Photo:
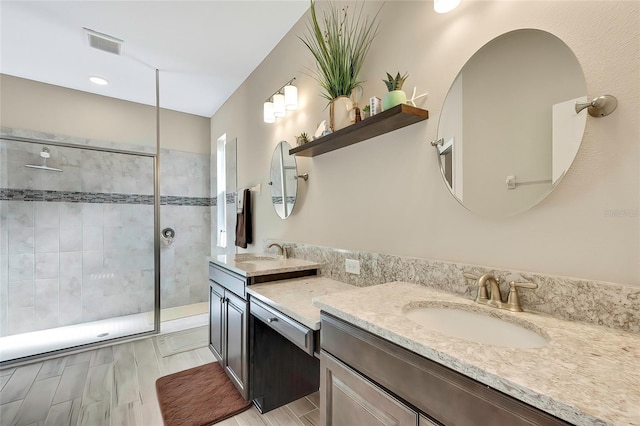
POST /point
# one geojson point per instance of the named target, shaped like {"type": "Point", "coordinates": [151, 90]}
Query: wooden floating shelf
{"type": "Point", "coordinates": [387, 121]}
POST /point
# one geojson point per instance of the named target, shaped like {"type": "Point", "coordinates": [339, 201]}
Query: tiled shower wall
{"type": "Point", "coordinates": [77, 246]}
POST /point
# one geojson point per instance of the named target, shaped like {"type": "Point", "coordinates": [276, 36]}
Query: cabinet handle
{"type": "Point", "coordinates": [222, 300]}
{"type": "Point", "coordinates": [270, 320]}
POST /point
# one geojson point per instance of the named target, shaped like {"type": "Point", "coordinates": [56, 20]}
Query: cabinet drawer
{"type": "Point", "coordinates": [295, 332]}
{"type": "Point", "coordinates": [228, 281]}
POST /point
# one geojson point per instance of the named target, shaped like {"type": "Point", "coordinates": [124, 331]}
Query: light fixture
{"type": "Point", "coordinates": [269, 116]}
{"type": "Point", "coordinates": [98, 80]}
{"type": "Point", "coordinates": [290, 97]}
{"type": "Point", "coordinates": [278, 105]}
{"type": "Point", "coordinates": [444, 6]}
{"type": "Point", "coordinates": [283, 100]}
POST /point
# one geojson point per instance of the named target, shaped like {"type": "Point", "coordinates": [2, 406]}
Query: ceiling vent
{"type": "Point", "coordinates": [104, 42]}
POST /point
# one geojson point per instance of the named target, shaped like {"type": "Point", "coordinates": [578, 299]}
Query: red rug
{"type": "Point", "coordinates": [199, 396]}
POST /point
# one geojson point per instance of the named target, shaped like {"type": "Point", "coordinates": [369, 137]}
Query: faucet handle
{"type": "Point", "coordinates": [513, 300]}
{"type": "Point", "coordinates": [470, 276]}
{"type": "Point", "coordinates": [524, 284]}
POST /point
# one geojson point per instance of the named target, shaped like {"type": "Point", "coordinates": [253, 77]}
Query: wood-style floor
{"type": "Point", "coordinates": [115, 386]}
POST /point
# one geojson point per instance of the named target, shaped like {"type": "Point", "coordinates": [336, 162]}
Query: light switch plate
{"type": "Point", "coordinates": [352, 266]}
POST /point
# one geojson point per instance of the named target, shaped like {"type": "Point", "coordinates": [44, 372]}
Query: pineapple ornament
{"type": "Point", "coordinates": [396, 95]}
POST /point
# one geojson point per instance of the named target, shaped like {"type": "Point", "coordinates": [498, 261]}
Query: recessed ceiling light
{"type": "Point", "coordinates": [98, 80]}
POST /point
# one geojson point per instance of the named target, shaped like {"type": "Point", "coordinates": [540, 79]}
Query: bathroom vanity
{"type": "Point", "coordinates": [284, 339]}
{"type": "Point", "coordinates": [229, 277]}
{"type": "Point", "coordinates": [374, 355]}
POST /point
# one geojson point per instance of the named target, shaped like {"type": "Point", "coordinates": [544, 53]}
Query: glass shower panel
{"type": "Point", "coordinates": [76, 245]}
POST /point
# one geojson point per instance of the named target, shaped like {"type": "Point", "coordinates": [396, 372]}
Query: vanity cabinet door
{"type": "Point", "coordinates": [216, 320]}
{"type": "Point", "coordinates": [347, 398]}
{"type": "Point", "coordinates": [236, 355]}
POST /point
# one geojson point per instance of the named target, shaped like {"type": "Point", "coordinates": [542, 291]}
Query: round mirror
{"type": "Point", "coordinates": [284, 180]}
{"type": "Point", "coordinates": [508, 130]}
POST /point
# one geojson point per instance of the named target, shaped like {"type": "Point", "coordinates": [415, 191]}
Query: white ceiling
{"type": "Point", "coordinates": [203, 49]}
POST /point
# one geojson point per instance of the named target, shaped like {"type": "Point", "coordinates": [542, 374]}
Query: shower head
{"type": "Point", "coordinates": [51, 169]}
{"type": "Point", "coordinates": [44, 154]}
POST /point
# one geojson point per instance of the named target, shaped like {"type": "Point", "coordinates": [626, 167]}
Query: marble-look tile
{"type": "Point", "coordinates": [92, 214]}
{"type": "Point", "coordinates": [92, 238]}
{"type": "Point", "coordinates": [20, 214]}
{"type": "Point", "coordinates": [70, 215]}
{"type": "Point", "coordinates": [4, 295]}
{"type": "Point", "coordinates": [92, 262]}
{"type": "Point", "coordinates": [21, 294]}
{"type": "Point", "coordinates": [47, 240]}
{"type": "Point", "coordinates": [70, 239]}
{"type": "Point", "coordinates": [21, 320]}
{"type": "Point", "coordinates": [71, 263]}
{"type": "Point", "coordinates": [21, 267]}
{"type": "Point", "coordinates": [47, 265]}
{"type": "Point", "coordinates": [20, 240]}
{"type": "Point", "coordinates": [47, 215]}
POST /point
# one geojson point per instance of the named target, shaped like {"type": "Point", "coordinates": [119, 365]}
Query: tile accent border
{"type": "Point", "coordinates": [595, 302]}
{"type": "Point", "coordinates": [100, 197]}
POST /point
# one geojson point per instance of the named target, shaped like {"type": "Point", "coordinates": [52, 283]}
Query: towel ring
{"type": "Point", "coordinates": [599, 107]}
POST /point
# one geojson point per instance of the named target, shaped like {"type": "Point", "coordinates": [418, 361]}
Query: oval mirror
{"type": "Point", "coordinates": [508, 130]}
{"type": "Point", "coordinates": [284, 182]}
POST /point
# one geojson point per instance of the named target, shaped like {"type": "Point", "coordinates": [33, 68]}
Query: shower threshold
{"type": "Point", "coordinates": [43, 341]}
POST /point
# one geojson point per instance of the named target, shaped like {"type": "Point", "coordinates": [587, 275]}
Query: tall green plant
{"type": "Point", "coordinates": [339, 47]}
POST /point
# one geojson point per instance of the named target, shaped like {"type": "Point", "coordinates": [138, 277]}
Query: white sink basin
{"type": "Point", "coordinates": [475, 327]}
{"type": "Point", "coordinates": [250, 257]}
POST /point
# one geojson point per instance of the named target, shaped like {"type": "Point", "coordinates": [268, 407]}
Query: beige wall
{"type": "Point", "coordinates": [387, 195]}
{"type": "Point", "coordinates": [30, 105]}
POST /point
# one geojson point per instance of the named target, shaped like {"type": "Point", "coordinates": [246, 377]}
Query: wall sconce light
{"type": "Point", "coordinates": [278, 105]}
{"type": "Point", "coordinates": [444, 6]}
{"type": "Point", "coordinates": [269, 116]}
{"type": "Point", "coordinates": [290, 97]}
{"type": "Point", "coordinates": [283, 100]}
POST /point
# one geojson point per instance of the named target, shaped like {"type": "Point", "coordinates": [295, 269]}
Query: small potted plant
{"type": "Point", "coordinates": [366, 111]}
{"type": "Point", "coordinates": [396, 95]}
{"type": "Point", "coordinates": [302, 138]}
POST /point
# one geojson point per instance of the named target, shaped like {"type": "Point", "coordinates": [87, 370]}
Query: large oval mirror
{"type": "Point", "coordinates": [508, 130]}
{"type": "Point", "coordinates": [284, 180]}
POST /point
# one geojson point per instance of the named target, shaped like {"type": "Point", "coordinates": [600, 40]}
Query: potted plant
{"type": "Point", "coordinates": [396, 95]}
{"type": "Point", "coordinates": [366, 111]}
{"type": "Point", "coordinates": [302, 138]}
{"type": "Point", "coordinates": [339, 42]}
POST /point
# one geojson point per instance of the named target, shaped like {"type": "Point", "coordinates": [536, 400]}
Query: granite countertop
{"type": "Point", "coordinates": [256, 264]}
{"type": "Point", "coordinates": [293, 297]}
{"type": "Point", "coordinates": [586, 375]}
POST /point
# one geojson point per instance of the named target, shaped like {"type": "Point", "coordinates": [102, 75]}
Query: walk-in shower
{"type": "Point", "coordinates": [78, 249]}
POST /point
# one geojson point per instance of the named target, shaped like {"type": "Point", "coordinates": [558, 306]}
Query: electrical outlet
{"type": "Point", "coordinates": [352, 266]}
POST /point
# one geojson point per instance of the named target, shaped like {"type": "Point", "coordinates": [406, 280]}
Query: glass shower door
{"type": "Point", "coordinates": [77, 263]}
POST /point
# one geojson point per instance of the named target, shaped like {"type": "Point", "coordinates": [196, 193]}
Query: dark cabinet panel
{"type": "Point", "coordinates": [216, 305]}
{"type": "Point", "coordinates": [236, 361]}
{"type": "Point", "coordinates": [347, 398]}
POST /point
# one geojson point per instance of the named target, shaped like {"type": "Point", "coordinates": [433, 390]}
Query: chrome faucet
{"type": "Point", "coordinates": [491, 296]}
{"type": "Point", "coordinates": [282, 250]}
